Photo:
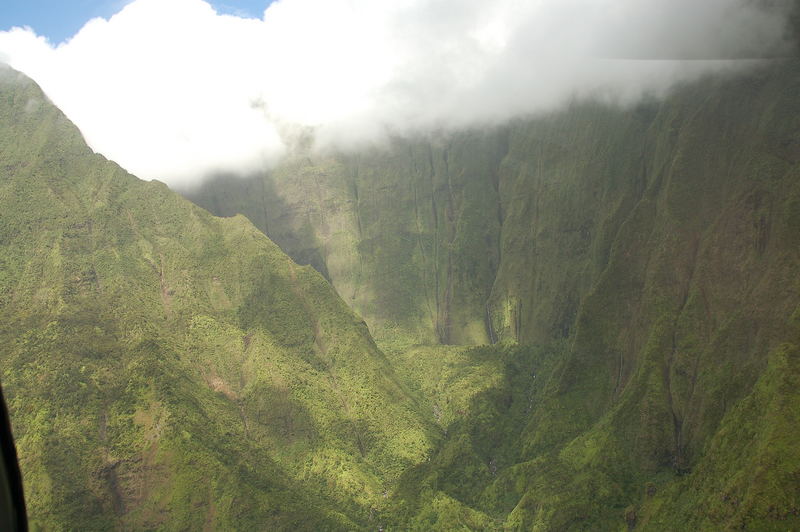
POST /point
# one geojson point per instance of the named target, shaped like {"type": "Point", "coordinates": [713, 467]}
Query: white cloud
{"type": "Point", "coordinates": [172, 90]}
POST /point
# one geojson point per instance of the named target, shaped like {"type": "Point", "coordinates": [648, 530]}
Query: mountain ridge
{"type": "Point", "coordinates": [588, 320]}
{"type": "Point", "coordinates": [151, 348]}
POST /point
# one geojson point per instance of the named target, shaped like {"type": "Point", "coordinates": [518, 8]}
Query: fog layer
{"type": "Point", "coordinates": [174, 91]}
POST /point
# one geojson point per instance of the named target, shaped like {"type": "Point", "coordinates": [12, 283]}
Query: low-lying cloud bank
{"type": "Point", "coordinates": [172, 90]}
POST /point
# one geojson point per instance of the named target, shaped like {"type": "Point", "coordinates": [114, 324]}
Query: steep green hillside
{"type": "Point", "coordinates": [653, 255]}
{"type": "Point", "coordinates": [168, 369]}
{"type": "Point", "coordinates": [590, 320]}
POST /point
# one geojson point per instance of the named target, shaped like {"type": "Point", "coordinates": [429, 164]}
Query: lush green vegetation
{"type": "Point", "coordinates": [587, 321]}
{"type": "Point", "coordinates": [655, 247]}
{"type": "Point", "coordinates": [168, 369]}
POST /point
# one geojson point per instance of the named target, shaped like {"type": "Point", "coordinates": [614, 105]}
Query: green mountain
{"type": "Point", "coordinates": [588, 320]}
{"type": "Point", "coordinates": [638, 271]}
{"type": "Point", "coordinates": [168, 369]}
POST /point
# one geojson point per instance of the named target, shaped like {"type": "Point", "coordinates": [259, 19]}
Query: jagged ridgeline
{"type": "Point", "coordinates": [653, 255]}
{"type": "Point", "coordinates": [168, 369]}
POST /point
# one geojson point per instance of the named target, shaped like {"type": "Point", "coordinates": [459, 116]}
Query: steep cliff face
{"type": "Point", "coordinates": [408, 235]}
{"type": "Point", "coordinates": [657, 247]}
{"type": "Point", "coordinates": [430, 238]}
{"type": "Point", "coordinates": [168, 369]}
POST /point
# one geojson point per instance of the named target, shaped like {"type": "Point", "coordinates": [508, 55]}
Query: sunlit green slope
{"type": "Point", "coordinates": [168, 369]}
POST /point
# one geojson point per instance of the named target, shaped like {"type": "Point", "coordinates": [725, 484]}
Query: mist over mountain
{"type": "Point", "coordinates": [177, 92]}
{"type": "Point", "coordinates": [168, 369]}
{"type": "Point", "coordinates": [588, 320]}
{"type": "Point", "coordinates": [629, 277]}
{"type": "Point", "coordinates": [435, 265]}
